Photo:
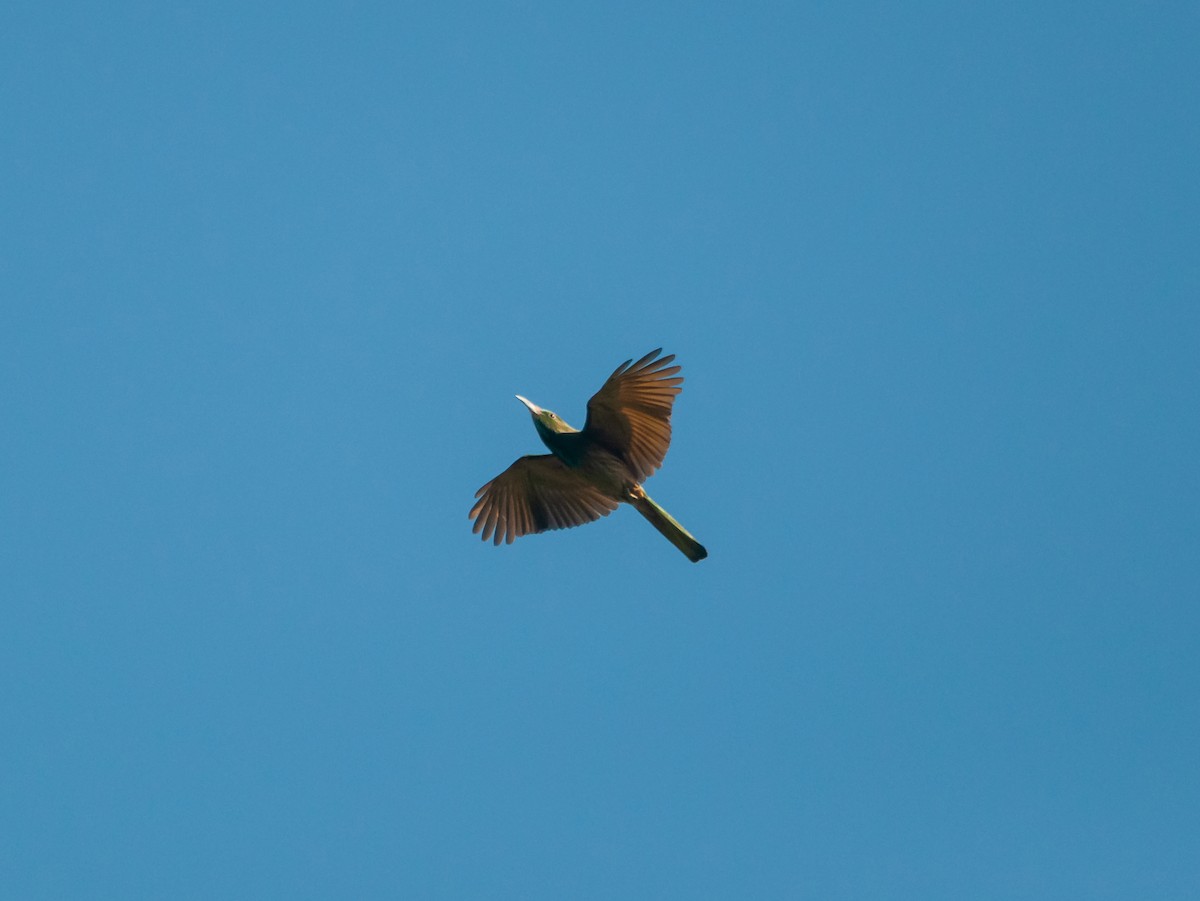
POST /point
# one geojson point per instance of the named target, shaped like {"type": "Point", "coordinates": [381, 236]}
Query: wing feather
{"type": "Point", "coordinates": [631, 413]}
{"type": "Point", "coordinates": [538, 492]}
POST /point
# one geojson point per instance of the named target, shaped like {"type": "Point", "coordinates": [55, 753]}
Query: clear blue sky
{"type": "Point", "coordinates": [269, 280]}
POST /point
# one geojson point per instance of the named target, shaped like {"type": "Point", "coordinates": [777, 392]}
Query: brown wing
{"type": "Point", "coordinates": [631, 414]}
{"type": "Point", "coordinates": [536, 493]}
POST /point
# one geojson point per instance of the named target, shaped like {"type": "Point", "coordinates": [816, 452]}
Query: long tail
{"type": "Point", "coordinates": [665, 523]}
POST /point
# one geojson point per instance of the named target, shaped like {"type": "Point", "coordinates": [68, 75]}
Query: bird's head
{"type": "Point", "coordinates": [545, 421]}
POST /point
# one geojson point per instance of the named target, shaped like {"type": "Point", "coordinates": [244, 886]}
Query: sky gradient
{"type": "Point", "coordinates": [270, 279]}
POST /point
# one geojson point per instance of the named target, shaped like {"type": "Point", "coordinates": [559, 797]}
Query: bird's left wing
{"type": "Point", "coordinates": [536, 493]}
{"type": "Point", "coordinates": [630, 415]}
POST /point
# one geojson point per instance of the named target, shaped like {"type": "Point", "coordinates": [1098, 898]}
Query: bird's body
{"type": "Point", "coordinates": [589, 472]}
{"type": "Point", "coordinates": [599, 466]}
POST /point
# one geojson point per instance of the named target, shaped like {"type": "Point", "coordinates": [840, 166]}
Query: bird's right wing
{"type": "Point", "coordinates": [536, 493]}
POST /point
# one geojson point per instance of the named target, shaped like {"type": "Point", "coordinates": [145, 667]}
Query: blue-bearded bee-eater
{"type": "Point", "coordinates": [589, 472]}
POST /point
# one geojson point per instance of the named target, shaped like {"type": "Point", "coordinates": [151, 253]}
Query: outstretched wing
{"type": "Point", "coordinates": [631, 414]}
{"type": "Point", "coordinates": [536, 493]}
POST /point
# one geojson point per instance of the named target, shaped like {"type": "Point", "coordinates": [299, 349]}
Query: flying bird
{"type": "Point", "coordinates": [588, 473]}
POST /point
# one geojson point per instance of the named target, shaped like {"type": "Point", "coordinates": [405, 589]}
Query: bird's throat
{"type": "Point", "coordinates": [570, 447]}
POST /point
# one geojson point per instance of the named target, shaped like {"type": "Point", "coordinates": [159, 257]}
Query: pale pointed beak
{"type": "Point", "coordinates": [533, 408]}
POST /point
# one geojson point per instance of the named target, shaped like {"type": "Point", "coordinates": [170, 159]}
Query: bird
{"type": "Point", "coordinates": [589, 472]}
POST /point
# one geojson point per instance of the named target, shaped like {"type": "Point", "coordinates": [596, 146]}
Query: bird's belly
{"type": "Point", "coordinates": [607, 473]}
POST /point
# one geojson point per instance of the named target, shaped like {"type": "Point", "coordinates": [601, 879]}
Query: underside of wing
{"type": "Point", "coordinates": [631, 414]}
{"type": "Point", "coordinates": [536, 493]}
